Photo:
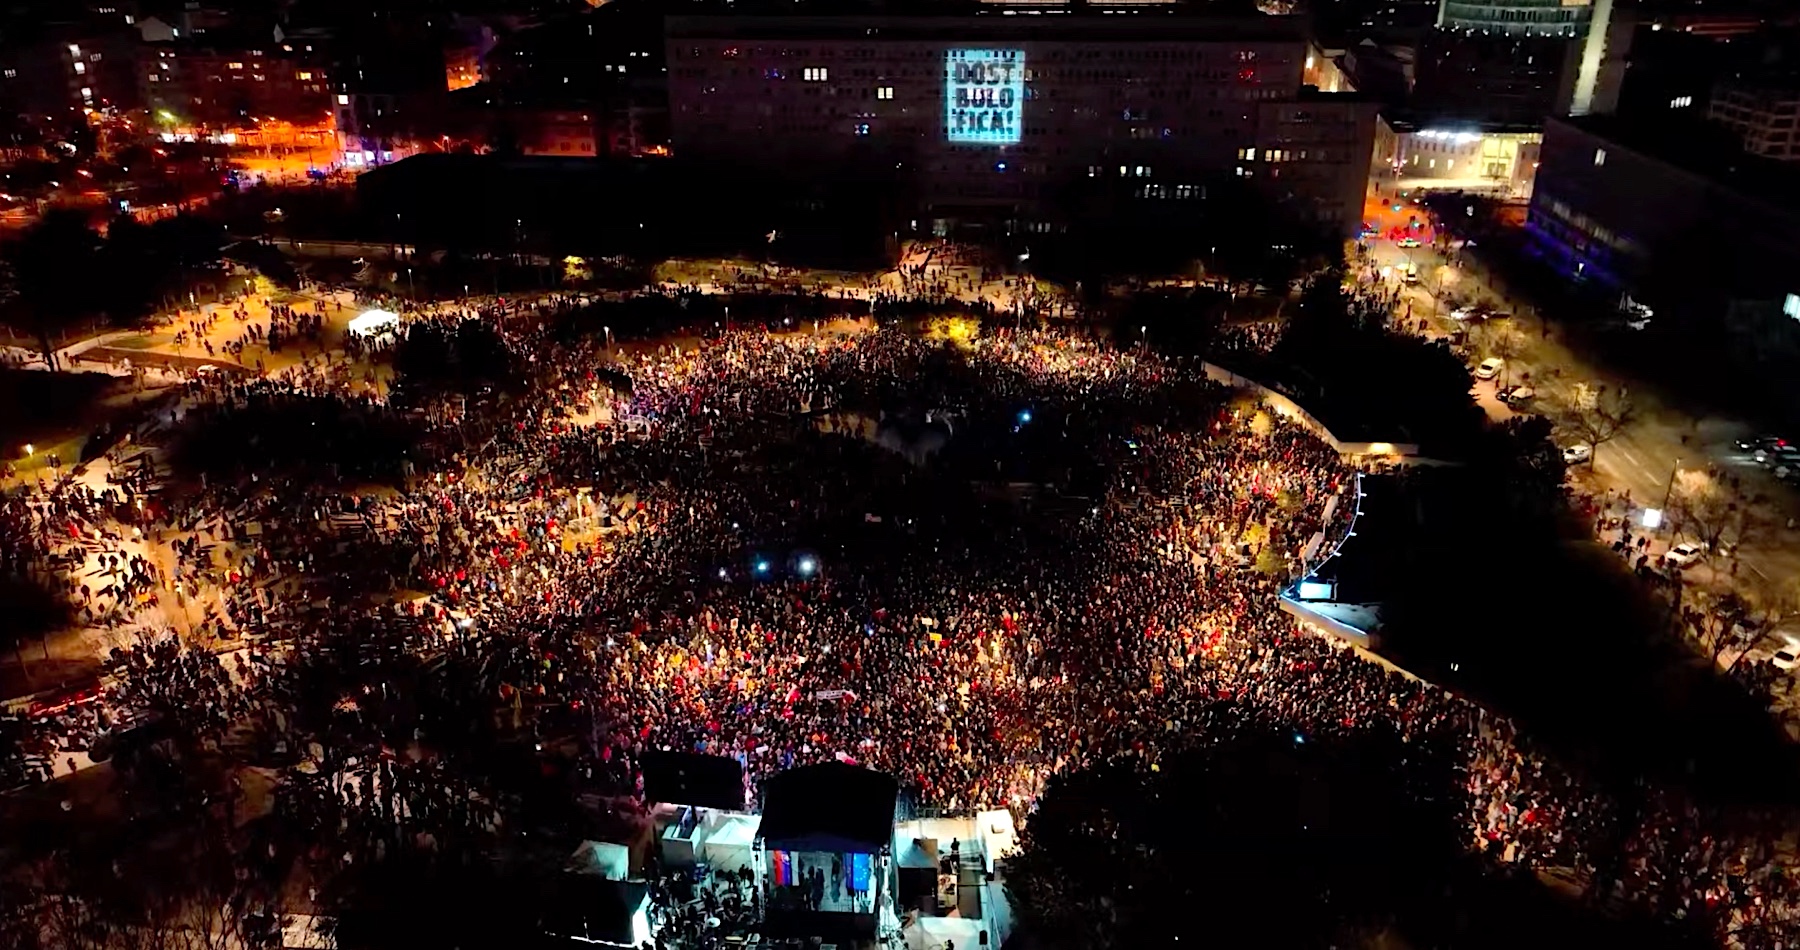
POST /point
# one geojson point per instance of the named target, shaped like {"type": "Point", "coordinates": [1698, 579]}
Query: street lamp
{"type": "Point", "coordinates": [1669, 492]}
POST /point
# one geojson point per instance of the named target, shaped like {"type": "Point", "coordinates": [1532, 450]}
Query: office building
{"type": "Point", "coordinates": [993, 117]}
{"type": "Point", "coordinates": [1762, 113]}
{"type": "Point", "coordinates": [1676, 215]}
{"type": "Point", "coordinates": [1514, 62]}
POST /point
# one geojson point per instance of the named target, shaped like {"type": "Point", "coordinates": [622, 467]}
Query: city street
{"type": "Point", "coordinates": [1640, 461]}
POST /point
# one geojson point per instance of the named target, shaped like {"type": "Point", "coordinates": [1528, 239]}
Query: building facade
{"type": "Point", "coordinates": [1517, 17]}
{"type": "Point", "coordinates": [996, 115]}
{"type": "Point", "coordinates": [1517, 61]}
{"type": "Point", "coordinates": [1762, 114]}
{"type": "Point", "coordinates": [1675, 215]}
{"type": "Point", "coordinates": [210, 86]}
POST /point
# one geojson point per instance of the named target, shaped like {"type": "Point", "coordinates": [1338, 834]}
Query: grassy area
{"type": "Point", "coordinates": [141, 341]}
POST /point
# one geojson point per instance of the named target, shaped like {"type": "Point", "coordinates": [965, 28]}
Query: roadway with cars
{"type": "Point", "coordinates": [1643, 457]}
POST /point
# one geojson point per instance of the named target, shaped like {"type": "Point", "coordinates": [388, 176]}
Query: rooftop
{"type": "Point", "coordinates": [829, 807]}
{"type": "Point", "coordinates": [971, 22]}
{"type": "Point", "coordinates": [1700, 148]}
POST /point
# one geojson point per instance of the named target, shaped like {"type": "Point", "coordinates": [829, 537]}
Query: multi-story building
{"type": "Point", "coordinates": [992, 117]}
{"type": "Point", "coordinates": [214, 84]}
{"type": "Point", "coordinates": [57, 72]}
{"type": "Point", "coordinates": [1514, 62]}
{"type": "Point", "coordinates": [1762, 113]}
{"type": "Point", "coordinates": [1517, 17]}
{"type": "Point", "coordinates": [1673, 213]}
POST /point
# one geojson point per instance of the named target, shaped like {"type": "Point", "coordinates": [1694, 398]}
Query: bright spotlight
{"type": "Point", "coordinates": [1024, 415]}
{"type": "Point", "coordinates": [808, 566]}
{"type": "Point", "coordinates": [762, 567]}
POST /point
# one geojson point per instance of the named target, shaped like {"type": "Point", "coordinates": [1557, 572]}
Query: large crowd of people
{"type": "Point", "coordinates": [728, 549]}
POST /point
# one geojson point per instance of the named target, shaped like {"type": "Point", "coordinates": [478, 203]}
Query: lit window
{"type": "Point", "coordinates": [815, 74]}
{"type": "Point", "coordinates": [74, 50]}
{"type": "Point", "coordinates": [303, 75]}
{"type": "Point", "coordinates": [862, 128]}
{"type": "Point", "coordinates": [343, 100]}
{"type": "Point", "coordinates": [87, 92]}
{"type": "Point", "coordinates": [234, 65]}
{"type": "Point", "coordinates": [885, 92]}
{"type": "Point", "coordinates": [1791, 306]}
{"type": "Point", "coordinates": [80, 68]}
{"type": "Point", "coordinates": [1599, 157]}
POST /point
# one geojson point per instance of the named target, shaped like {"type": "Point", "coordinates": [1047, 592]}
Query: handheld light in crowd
{"type": "Point", "coordinates": [1024, 415]}
{"type": "Point", "coordinates": [762, 567]}
{"type": "Point", "coordinates": [808, 566]}
{"type": "Point", "coordinates": [722, 574]}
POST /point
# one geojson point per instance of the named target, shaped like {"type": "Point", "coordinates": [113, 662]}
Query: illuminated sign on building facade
{"type": "Point", "coordinates": [984, 92]}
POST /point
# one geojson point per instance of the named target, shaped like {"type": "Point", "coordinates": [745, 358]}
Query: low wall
{"type": "Point", "coordinates": [1292, 410]}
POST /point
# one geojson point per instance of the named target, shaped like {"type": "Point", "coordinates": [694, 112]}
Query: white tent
{"type": "Point", "coordinates": [999, 836]}
{"type": "Point", "coordinates": [931, 933]}
{"type": "Point", "coordinates": [601, 858]}
{"type": "Point", "coordinates": [727, 839]}
{"type": "Point", "coordinates": [374, 323]}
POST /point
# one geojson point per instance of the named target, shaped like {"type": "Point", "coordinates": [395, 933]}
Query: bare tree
{"type": "Point", "coordinates": [1597, 414]}
{"type": "Point", "coordinates": [1718, 621]}
{"type": "Point", "coordinates": [1706, 508]}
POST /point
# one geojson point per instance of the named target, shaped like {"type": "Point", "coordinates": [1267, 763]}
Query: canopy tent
{"type": "Point", "coordinates": [830, 807]}
{"type": "Point", "coordinates": [930, 931]}
{"type": "Point", "coordinates": [374, 323]}
{"type": "Point", "coordinates": [603, 859]}
{"type": "Point", "coordinates": [727, 841]}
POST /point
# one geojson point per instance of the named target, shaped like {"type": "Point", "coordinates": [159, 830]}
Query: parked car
{"type": "Point", "coordinates": [1683, 554]}
{"type": "Point", "coordinates": [1489, 368]}
{"type": "Point", "coordinates": [1465, 313]}
{"type": "Point", "coordinates": [1760, 443]}
{"type": "Point", "coordinates": [1409, 242]}
{"type": "Point", "coordinates": [1516, 395]}
{"type": "Point", "coordinates": [1787, 657]}
{"type": "Point", "coordinates": [1578, 453]}
{"type": "Point", "coordinates": [1787, 455]}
